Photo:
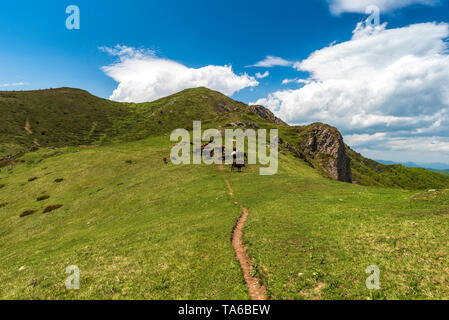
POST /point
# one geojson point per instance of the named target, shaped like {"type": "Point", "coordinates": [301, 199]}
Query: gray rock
{"type": "Point", "coordinates": [325, 144]}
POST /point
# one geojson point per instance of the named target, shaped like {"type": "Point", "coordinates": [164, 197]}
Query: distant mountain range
{"type": "Point", "coordinates": [430, 166]}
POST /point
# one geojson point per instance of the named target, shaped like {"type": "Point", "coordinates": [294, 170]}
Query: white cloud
{"type": "Point", "coordinates": [427, 144]}
{"type": "Point", "coordinates": [271, 61]}
{"type": "Point", "coordinates": [262, 76]}
{"type": "Point", "coordinates": [404, 148]}
{"type": "Point", "coordinates": [296, 80]}
{"type": "Point", "coordinates": [401, 148]}
{"type": "Point", "coordinates": [287, 81]}
{"type": "Point", "coordinates": [142, 76]}
{"type": "Point", "coordinates": [362, 139]}
{"type": "Point", "coordinates": [394, 81]}
{"type": "Point", "coordinates": [17, 84]}
{"type": "Point", "coordinates": [124, 52]}
{"type": "Point", "coordinates": [338, 7]}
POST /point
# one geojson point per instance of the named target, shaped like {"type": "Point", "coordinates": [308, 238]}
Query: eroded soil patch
{"type": "Point", "coordinates": [27, 213]}
{"type": "Point", "coordinates": [52, 208]}
{"type": "Point", "coordinates": [256, 290]}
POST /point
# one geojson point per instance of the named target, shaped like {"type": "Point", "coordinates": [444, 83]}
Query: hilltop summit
{"type": "Point", "coordinates": [73, 117]}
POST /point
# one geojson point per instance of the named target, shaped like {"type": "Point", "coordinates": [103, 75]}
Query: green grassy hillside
{"type": "Point", "coordinates": [445, 172]}
{"type": "Point", "coordinates": [140, 229]}
{"type": "Point", "coordinates": [312, 238]}
{"type": "Point", "coordinates": [54, 118]}
{"type": "Point", "coordinates": [72, 117]}
{"type": "Point", "coordinates": [136, 228]}
{"type": "Point", "coordinates": [372, 173]}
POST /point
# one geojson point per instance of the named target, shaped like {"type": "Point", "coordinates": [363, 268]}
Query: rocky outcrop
{"type": "Point", "coordinates": [267, 115]}
{"type": "Point", "coordinates": [324, 145]}
{"type": "Point", "coordinates": [320, 145]}
{"type": "Point", "coordinates": [240, 124]}
{"type": "Point", "coordinates": [221, 108]}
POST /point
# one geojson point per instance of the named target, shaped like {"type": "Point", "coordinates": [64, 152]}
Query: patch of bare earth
{"type": "Point", "coordinates": [256, 290]}
{"type": "Point", "coordinates": [28, 127]}
{"type": "Point", "coordinates": [314, 293]}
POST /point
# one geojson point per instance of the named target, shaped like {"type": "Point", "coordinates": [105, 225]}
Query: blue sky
{"type": "Point", "coordinates": [195, 33]}
{"type": "Point", "coordinates": [199, 41]}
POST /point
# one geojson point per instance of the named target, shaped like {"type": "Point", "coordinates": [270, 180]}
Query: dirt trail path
{"type": "Point", "coordinates": [256, 291]}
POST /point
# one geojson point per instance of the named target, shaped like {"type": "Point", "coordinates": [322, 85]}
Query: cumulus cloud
{"type": "Point", "coordinates": [432, 144]}
{"type": "Point", "coordinates": [142, 76]}
{"type": "Point", "coordinates": [271, 61]}
{"type": "Point", "coordinates": [394, 81]}
{"type": "Point", "coordinates": [401, 148]}
{"type": "Point", "coordinates": [362, 139]}
{"type": "Point", "coordinates": [338, 7]}
{"type": "Point", "coordinates": [262, 76]}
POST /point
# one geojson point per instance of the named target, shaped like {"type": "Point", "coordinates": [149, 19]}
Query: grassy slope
{"type": "Point", "coordinates": [147, 230]}
{"type": "Point", "coordinates": [155, 231]}
{"type": "Point", "coordinates": [313, 238]}
{"type": "Point", "coordinates": [72, 117]}
{"type": "Point", "coordinates": [371, 173]}
{"type": "Point", "coordinates": [140, 230]}
{"type": "Point", "coordinates": [444, 172]}
{"type": "Point", "coordinates": [58, 117]}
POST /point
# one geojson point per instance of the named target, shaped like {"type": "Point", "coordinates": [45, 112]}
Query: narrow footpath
{"type": "Point", "coordinates": [256, 290]}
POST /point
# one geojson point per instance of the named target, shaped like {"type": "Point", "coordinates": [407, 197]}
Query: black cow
{"type": "Point", "coordinates": [236, 165]}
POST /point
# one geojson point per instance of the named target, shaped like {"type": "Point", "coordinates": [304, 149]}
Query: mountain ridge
{"type": "Point", "coordinates": [62, 117]}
